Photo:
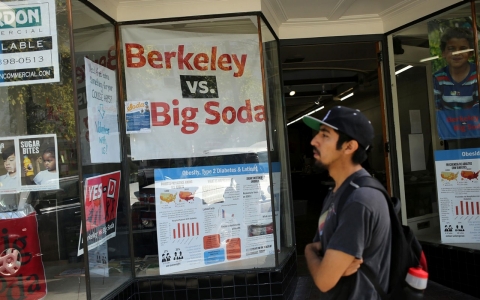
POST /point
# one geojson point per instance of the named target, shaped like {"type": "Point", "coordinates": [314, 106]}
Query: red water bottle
{"type": "Point", "coordinates": [416, 279]}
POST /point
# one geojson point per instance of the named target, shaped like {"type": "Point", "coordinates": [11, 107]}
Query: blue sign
{"type": "Point", "coordinates": [458, 154]}
{"type": "Point", "coordinates": [214, 256]}
{"type": "Point", "coordinates": [214, 171]}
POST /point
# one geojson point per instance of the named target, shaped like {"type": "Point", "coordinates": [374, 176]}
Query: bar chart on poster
{"type": "Point", "coordinates": [183, 230]}
{"type": "Point", "coordinates": [458, 189]}
{"type": "Point", "coordinates": [213, 214]}
{"type": "Point", "coordinates": [465, 208]}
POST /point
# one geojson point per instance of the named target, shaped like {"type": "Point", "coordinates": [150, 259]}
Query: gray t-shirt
{"type": "Point", "coordinates": [362, 229]}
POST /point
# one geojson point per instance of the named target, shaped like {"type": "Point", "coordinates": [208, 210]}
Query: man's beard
{"type": "Point", "coordinates": [318, 163]}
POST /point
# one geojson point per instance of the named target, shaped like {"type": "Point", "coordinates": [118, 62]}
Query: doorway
{"type": "Point", "coordinates": [316, 77]}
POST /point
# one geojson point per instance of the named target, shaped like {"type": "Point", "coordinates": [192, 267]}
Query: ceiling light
{"type": "Point", "coordinates": [347, 96]}
{"type": "Point", "coordinates": [429, 58]}
{"type": "Point", "coordinates": [290, 91]}
{"type": "Point", "coordinates": [461, 51]}
{"type": "Point", "coordinates": [403, 69]}
{"type": "Point", "coordinates": [313, 111]}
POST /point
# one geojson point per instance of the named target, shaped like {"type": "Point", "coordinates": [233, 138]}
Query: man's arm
{"type": "Point", "coordinates": [326, 271]}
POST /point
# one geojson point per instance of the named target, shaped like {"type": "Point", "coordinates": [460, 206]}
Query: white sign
{"type": "Point", "coordinates": [105, 58]}
{"type": "Point", "coordinates": [205, 91]}
{"type": "Point", "coordinates": [28, 44]}
{"type": "Point", "coordinates": [213, 215]}
{"type": "Point", "coordinates": [102, 108]}
{"type": "Point", "coordinates": [458, 188]}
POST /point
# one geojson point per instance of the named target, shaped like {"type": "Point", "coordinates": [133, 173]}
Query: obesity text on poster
{"type": "Point", "coordinates": [455, 78]}
{"type": "Point", "coordinates": [458, 188]}
{"type": "Point", "coordinates": [28, 48]}
{"type": "Point", "coordinates": [101, 203]}
{"type": "Point", "coordinates": [213, 215]}
{"type": "Point", "coordinates": [205, 91]}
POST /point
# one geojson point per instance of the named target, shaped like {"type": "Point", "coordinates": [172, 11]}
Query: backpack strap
{"type": "Point", "coordinates": [366, 181]}
{"type": "Point", "coordinates": [363, 181]}
{"type": "Point", "coordinates": [406, 250]}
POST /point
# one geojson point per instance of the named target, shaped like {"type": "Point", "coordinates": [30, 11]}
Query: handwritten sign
{"type": "Point", "coordinates": [102, 113]}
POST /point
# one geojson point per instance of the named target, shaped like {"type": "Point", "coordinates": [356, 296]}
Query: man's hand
{"type": "Point", "coordinates": [353, 267]}
{"type": "Point", "coordinates": [312, 255]}
{"type": "Point", "coordinates": [327, 270]}
{"type": "Point", "coordinates": [313, 248]}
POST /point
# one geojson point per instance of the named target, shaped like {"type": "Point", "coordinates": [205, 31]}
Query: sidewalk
{"type": "Point", "coordinates": [306, 289]}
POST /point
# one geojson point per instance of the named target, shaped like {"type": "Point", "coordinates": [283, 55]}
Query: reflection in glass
{"type": "Point", "coordinates": [201, 191]}
{"type": "Point", "coordinates": [46, 111]}
{"type": "Point", "coordinates": [106, 212]}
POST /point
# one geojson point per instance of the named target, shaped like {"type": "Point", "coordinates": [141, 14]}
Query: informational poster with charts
{"type": "Point", "coordinates": [104, 136]}
{"type": "Point", "coordinates": [10, 169]}
{"type": "Point", "coordinates": [101, 203]}
{"type": "Point", "coordinates": [212, 215]}
{"type": "Point", "coordinates": [29, 49]}
{"type": "Point", "coordinates": [137, 116]}
{"type": "Point", "coordinates": [458, 188]}
{"type": "Point", "coordinates": [39, 162]}
{"type": "Point", "coordinates": [205, 91]}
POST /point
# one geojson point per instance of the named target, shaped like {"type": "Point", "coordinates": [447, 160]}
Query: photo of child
{"type": "Point", "coordinates": [9, 181]}
{"type": "Point", "coordinates": [455, 85]}
{"type": "Point", "coordinates": [50, 174]}
{"type": "Point", "coordinates": [10, 164]}
{"type": "Point", "coordinates": [39, 170]}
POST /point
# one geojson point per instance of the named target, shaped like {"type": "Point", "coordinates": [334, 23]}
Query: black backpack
{"type": "Point", "coordinates": [406, 250]}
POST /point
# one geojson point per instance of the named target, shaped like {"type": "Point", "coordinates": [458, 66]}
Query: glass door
{"type": "Point", "coordinates": [416, 141]}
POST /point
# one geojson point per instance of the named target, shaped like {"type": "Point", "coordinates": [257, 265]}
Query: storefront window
{"type": "Point", "coordinates": [203, 177]}
{"type": "Point", "coordinates": [278, 151]}
{"type": "Point", "coordinates": [437, 94]}
{"type": "Point", "coordinates": [39, 195]}
{"type": "Point", "coordinates": [106, 206]}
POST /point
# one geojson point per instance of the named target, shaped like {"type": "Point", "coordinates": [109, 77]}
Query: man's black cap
{"type": "Point", "coordinates": [347, 120]}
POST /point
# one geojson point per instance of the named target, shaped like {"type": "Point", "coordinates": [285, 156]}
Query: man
{"type": "Point", "coordinates": [361, 232]}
